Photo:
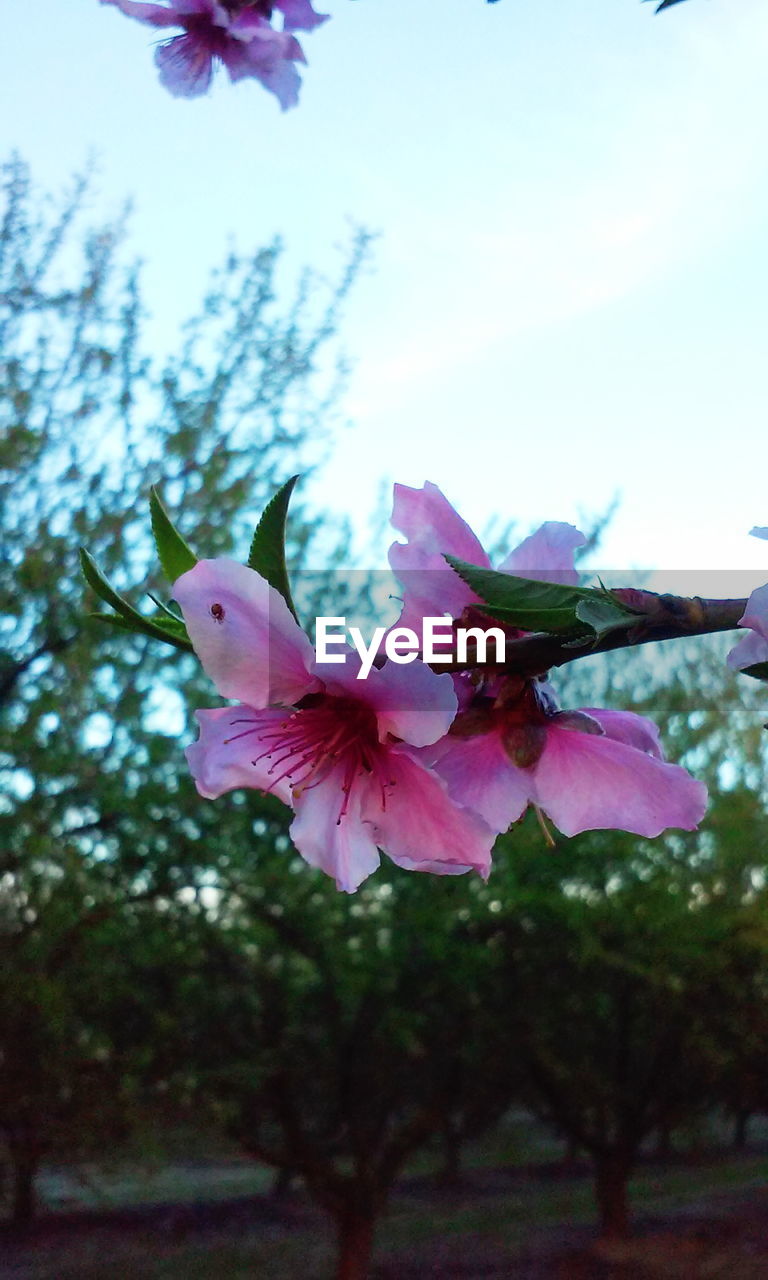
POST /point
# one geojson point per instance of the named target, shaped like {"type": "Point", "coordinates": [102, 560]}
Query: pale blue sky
{"type": "Point", "coordinates": [568, 298]}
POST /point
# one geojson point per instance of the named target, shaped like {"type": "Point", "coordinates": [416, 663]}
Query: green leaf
{"type": "Point", "coordinates": [127, 624]}
{"type": "Point", "coordinates": [604, 615]}
{"type": "Point", "coordinates": [758, 671]}
{"type": "Point", "coordinates": [175, 556]}
{"type": "Point", "coordinates": [544, 606]}
{"type": "Point", "coordinates": [159, 629]}
{"type": "Point", "coordinates": [554, 621]}
{"type": "Point", "coordinates": [267, 553]}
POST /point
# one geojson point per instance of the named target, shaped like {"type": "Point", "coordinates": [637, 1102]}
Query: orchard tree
{"type": "Point", "coordinates": [92, 800]}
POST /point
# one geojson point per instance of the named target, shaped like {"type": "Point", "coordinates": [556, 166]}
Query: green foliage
{"type": "Point", "coordinates": [162, 627]}
{"type": "Point", "coordinates": [267, 552]}
{"type": "Point", "coordinates": [96, 808]}
{"type": "Point", "coordinates": [544, 606]}
{"type": "Point", "coordinates": [174, 554]}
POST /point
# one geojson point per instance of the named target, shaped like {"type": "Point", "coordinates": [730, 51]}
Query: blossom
{"type": "Point", "coordinates": [511, 745]}
{"type": "Point", "coordinates": [753, 648]}
{"type": "Point", "coordinates": [586, 770]}
{"type": "Point", "coordinates": [242, 38]}
{"type": "Point", "coordinates": [339, 751]}
{"type": "Point", "coordinates": [433, 529]}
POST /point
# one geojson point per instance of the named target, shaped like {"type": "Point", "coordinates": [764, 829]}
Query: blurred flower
{"type": "Point", "coordinates": [338, 750]}
{"type": "Point", "coordinates": [239, 36]}
{"type": "Point", "coordinates": [753, 648]}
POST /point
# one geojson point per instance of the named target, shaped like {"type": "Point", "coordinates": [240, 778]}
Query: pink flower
{"type": "Point", "coordinates": [434, 529]}
{"type": "Point", "coordinates": [338, 750]}
{"type": "Point", "coordinates": [511, 746]}
{"type": "Point", "coordinates": [753, 648]}
{"type": "Point", "coordinates": [239, 37]}
{"type": "Point", "coordinates": [587, 769]}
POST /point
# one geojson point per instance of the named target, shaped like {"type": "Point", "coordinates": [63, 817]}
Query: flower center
{"type": "Point", "coordinates": [322, 734]}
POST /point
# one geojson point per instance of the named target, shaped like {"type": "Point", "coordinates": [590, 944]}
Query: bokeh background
{"type": "Point", "coordinates": [213, 1065]}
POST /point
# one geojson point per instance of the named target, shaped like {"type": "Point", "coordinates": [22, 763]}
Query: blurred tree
{"type": "Point", "coordinates": [630, 971]}
{"type": "Point", "coordinates": [93, 788]}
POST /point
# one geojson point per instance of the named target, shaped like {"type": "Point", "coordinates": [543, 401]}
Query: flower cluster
{"type": "Point", "coordinates": [425, 767]}
{"type": "Point", "coordinates": [236, 33]}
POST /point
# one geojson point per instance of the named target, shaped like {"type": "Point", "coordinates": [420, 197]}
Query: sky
{"type": "Point", "coordinates": [567, 299]}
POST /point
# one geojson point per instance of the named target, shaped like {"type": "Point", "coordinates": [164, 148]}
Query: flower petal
{"type": "Point", "coordinates": [244, 634]}
{"type": "Point", "coordinates": [267, 56]}
{"type": "Point", "coordinates": [585, 783]}
{"type": "Point", "coordinates": [343, 847]}
{"type": "Point", "coordinates": [748, 652]}
{"type": "Point", "coordinates": [753, 648]}
{"type": "Point", "coordinates": [411, 702]}
{"type": "Point", "coordinates": [630, 728]}
{"type": "Point", "coordinates": [547, 554]}
{"type": "Point", "coordinates": [420, 826]}
{"type": "Point", "coordinates": [157, 15]}
{"type": "Point", "coordinates": [225, 755]}
{"type": "Point", "coordinates": [480, 775]}
{"type": "Point", "coordinates": [185, 65]}
{"type": "Point", "coordinates": [298, 15]}
{"type": "Point", "coordinates": [432, 527]}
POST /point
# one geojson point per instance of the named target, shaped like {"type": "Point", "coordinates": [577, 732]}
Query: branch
{"type": "Point", "coordinates": [661, 617]}
{"type": "Point", "coordinates": [17, 669]}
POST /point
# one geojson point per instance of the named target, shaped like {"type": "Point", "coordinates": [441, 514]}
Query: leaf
{"type": "Point", "coordinates": [509, 591]}
{"type": "Point", "coordinates": [543, 606]}
{"type": "Point", "coordinates": [175, 556]}
{"type": "Point", "coordinates": [553, 621]}
{"type": "Point", "coordinates": [758, 671]}
{"type": "Point", "coordinates": [604, 615]}
{"type": "Point", "coordinates": [159, 629]}
{"type": "Point", "coordinates": [267, 553]}
{"type": "Point", "coordinates": [126, 624]}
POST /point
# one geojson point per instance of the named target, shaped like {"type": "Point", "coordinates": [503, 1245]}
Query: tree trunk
{"type": "Point", "coordinates": [451, 1173]}
{"type": "Point", "coordinates": [740, 1128]}
{"type": "Point", "coordinates": [611, 1174]}
{"type": "Point", "coordinates": [24, 1199]}
{"type": "Point", "coordinates": [355, 1243]}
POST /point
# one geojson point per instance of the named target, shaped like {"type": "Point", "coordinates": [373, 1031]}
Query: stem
{"type": "Point", "coordinates": [660, 617]}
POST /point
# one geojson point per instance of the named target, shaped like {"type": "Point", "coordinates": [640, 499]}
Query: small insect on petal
{"type": "Point", "coordinates": [217, 612]}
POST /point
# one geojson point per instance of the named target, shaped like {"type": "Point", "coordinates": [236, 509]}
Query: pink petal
{"type": "Point", "coordinates": [185, 65]}
{"type": "Point", "coordinates": [748, 652]}
{"type": "Point", "coordinates": [584, 783]}
{"type": "Point", "coordinates": [268, 56]}
{"type": "Point", "coordinates": [343, 847]}
{"type": "Point", "coordinates": [756, 613]}
{"type": "Point", "coordinates": [547, 554]}
{"type": "Point", "coordinates": [298, 15]}
{"type": "Point", "coordinates": [244, 634]}
{"type": "Point", "coordinates": [156, 15]}
{"type": "Point", "coordinates": [625, 726]}
{"type": "Point", "coordinates": [480, 775]}
{"type": "Point", "coordinates": [231, 739]}
{"type": "Point", "coordinates": [419, 825]}
{"type": "Point", "coordinates": [753, 648]}
{"type": "Point", "coordinates": [433, 528]}
{"type": "Point", "coordinates": [411, 702]}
